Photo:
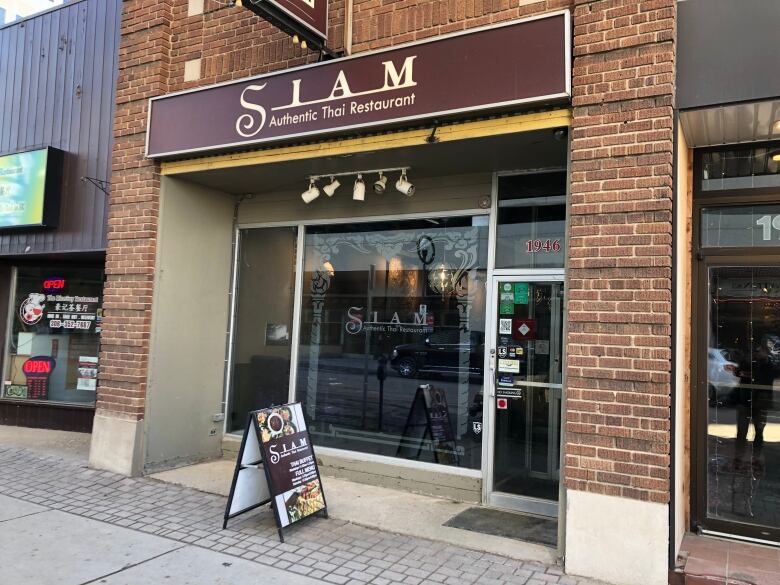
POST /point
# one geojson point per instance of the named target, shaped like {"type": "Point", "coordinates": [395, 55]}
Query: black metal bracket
{"type": "Point", "coordinates": [433, 139]}
{"type": "Point", "coordinates": [104, 186]}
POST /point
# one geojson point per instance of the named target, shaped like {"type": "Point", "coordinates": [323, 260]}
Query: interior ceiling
{"type": "Point", "coordinates": [732, 124]}
{"type": "Point", "coordinates": [526, 150]}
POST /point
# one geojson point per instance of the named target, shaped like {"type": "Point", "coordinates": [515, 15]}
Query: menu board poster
{"type": "Point", "coordinates": [293, 477]}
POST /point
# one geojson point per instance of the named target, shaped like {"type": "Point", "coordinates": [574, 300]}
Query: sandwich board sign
{"type": "Point", "coordinates": [276, 465]}
{"type": "Point", "coordinates": [429, 421]}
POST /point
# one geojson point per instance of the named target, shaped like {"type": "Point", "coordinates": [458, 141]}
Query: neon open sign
{"type": "Point", "coordinates": [53, 284]}
{"type": "Point", "coordinates": [43, 365]}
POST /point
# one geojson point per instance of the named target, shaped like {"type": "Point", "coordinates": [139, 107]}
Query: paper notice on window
{"type": "Point", "coordinates": [88, 368]}
{"type": "Point", "coordinates": [509, 366]}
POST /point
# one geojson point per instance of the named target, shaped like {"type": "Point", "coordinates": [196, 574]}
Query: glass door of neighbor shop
{"type": "Point", "coordinates": [525, 392]}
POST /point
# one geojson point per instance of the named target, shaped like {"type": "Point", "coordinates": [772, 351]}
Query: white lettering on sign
{"type": "Point", "coordinates": [768, 222]}
{"type": "Point", "coordinates": [250, 124]}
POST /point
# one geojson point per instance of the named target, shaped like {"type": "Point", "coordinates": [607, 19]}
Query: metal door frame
{"type": "Point", "coordinates": [490, 497]}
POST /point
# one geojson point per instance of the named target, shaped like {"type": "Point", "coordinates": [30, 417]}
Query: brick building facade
{"type": "Point", "coordinates": [620, 403]}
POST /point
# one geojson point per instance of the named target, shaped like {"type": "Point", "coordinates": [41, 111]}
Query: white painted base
{"type": "Point", "coordinates": [617, 540]}
{"type": "Point", "coordinates": [116, 445]}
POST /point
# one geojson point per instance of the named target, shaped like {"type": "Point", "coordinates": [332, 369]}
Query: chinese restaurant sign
{"type": "Point", "coordinates": [495, 68]}
{"type": "Point", "coordinates": [29, 188]}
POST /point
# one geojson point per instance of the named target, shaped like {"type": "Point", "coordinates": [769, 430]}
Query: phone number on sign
{"type": "Point", "coordinates": [69, 324]}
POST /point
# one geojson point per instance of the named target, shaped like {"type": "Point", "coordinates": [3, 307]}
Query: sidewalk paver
{"type": "Point", "coordinates": [194, 566]}
{"type": "Point", "coordinates": [326, 550]}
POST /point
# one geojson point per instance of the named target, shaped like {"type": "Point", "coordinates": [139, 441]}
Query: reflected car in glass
{"type": "Point", "coordinates": [442, 352]}
{"type": "Point", "coordinates": [721, 375]}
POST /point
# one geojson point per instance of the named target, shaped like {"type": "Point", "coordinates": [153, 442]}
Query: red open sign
{"type": "Point", "coordinates": [38, 365]}
{"type": "Point", "coordinates": [53, 284]}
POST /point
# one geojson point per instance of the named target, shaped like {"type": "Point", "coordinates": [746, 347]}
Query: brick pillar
{"type": "Point", "coordinates": [617, 448]}
{"type": "Point", "coordinates": [144, 55]}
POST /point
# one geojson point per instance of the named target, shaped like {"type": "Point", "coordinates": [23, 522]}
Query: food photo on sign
{"type": "Point", "coordinates": [288, 458]}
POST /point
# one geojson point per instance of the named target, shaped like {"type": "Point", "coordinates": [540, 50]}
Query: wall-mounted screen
{"type": "Point", "coordinates": [30, 188]}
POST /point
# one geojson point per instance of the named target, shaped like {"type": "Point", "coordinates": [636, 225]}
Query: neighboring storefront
{"type": "Point", "coordinates": [729, 144]}
{"type": "Point", "coordinates": [55, 152]}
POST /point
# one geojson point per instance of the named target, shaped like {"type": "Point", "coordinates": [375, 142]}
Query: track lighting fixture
{"type": "Point", "coordinates": [380, 184]}
{"type": "Point", "coordinates": [404, 186]}
{"type": "Point", "coordinates": [359, 189]}
{"type": "Point", "coordinates": [311, 193]}
{"type": "Point", "coordinates": [359, 192]}
{"type": "Point", "coordinates": [330, 188]}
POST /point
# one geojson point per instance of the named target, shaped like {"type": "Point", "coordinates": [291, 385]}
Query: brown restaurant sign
{"type": "Point", "coordinates": [496, 68]}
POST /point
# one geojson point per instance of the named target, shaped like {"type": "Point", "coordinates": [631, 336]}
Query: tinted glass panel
{"type": "Point", "coordinates": [392, 338]}
{"type": "Point", "coordinates": [743, 377]}
{"type": "Point", "coordinates": [742, 226]}
{"type": "Point", "coordinates": [531, 221]}
{"type": "Point", "coordinates": [264, 310]}
{"type": "Point", "coordinates": [740, 169]}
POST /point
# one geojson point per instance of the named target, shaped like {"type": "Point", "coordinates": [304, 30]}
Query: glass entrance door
{"type": "Point", "coordinates": [739, 385]}
{"type": "Point", "coordinates": [525, 389]}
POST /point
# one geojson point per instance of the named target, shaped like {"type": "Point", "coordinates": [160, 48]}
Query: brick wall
{"type": "Point", "coordinates": [619, 344]}
{"type": "Point", "coordinates": [619, 341]}
{"type": "Point", "coordinates": [157, 39]}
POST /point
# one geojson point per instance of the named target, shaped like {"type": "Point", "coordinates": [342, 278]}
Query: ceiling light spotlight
{"type": "Point", "coordinates": [330, 189]}
{"type": "Point", "coordinates": [776, 127]}
{"type": "Point", "coordinates": [380, 184]}
{"type": "Point", "coordinates": [304, 45]}
{"type": "Point", "coordinates": [239, 3]}
{"type": "Point", "coordinates": [359, 192]}
{"type": "Point", "coordinates": [404, 186]}
{"type": "Point", "coordinates": [311, 193]}
{"type": "Point", "coordinates": [296, 40]}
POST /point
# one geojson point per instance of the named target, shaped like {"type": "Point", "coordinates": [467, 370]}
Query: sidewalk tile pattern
{"type": "Point", "coordinates": [331, 551]}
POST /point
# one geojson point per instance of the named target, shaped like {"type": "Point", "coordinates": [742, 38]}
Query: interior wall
{"type": "Point", "coordinates": [683, 328]}
{"type": "Point", "coordinates": [433, 194]}
{"type": "Point", "coordinates": [189, 324]}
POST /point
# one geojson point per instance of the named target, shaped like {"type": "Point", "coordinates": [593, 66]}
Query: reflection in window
{"type": "Point", "coordinates": [740, 169]}
{"type": "Point", "coordinates": [743, 376]}
{"type": "Point", "coordinates": [392, 338]}
{"type": "Point", "coordinates": [55, 335]}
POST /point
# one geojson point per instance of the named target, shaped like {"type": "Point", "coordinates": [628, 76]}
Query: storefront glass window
{"type": "Point", "coordinates": [55, 334]}
{"type": "Point", "coordinates": [264, 314]}
{"type": "Point", "coordinates": [531, 220]}
{"type": "Point", "coordinates": [743, 380]}
{"type": "Point", "coordinates": [741, 168]}
{"type": "Point", "coordinates": [392, 338]}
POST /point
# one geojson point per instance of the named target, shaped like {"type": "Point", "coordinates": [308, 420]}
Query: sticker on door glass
{"type": "Point", "coordinates": [509, 366]}
{"type": "Point", "coordinates": [505, 326]}
{"type": "Point", "coordinates": [506, 308]}
{"type": "Point", "coordinates": [542, 347]}
{"type": "Point", "coordinates": [521, 293]}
